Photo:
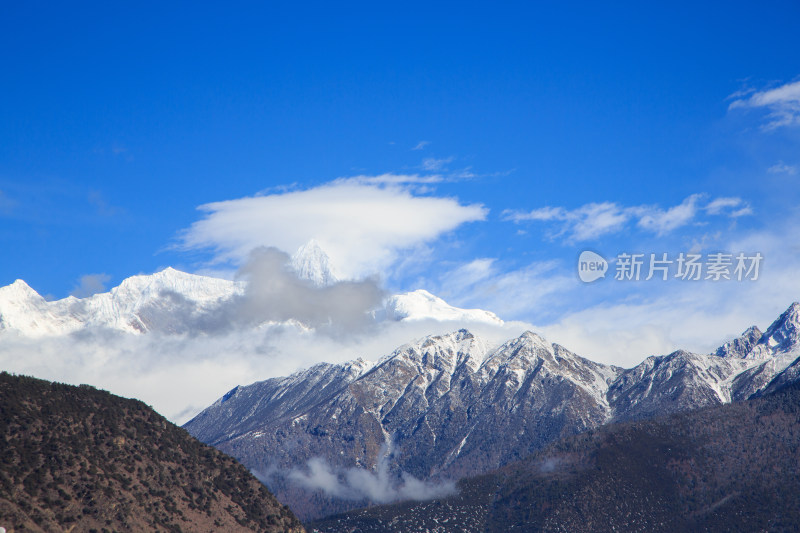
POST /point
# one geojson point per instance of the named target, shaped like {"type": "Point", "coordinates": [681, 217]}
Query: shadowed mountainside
{"type": "Point", "coordinates": [730, 468]}
{"type": "Point", "coordinates": [453, 406]}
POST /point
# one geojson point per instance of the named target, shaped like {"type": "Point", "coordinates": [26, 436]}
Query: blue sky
{"type": "Point", "coordinates": [119, 122]}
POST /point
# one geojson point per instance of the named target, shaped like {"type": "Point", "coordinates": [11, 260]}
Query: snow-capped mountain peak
{"type": "Point", "coordinates": [18, 290]}
{"type": "Point", "coordinates": [24, 310]}
{"type": "Point", "coordinates": [449, 350]}
{"type": "Point", "coordinates": [312, 263]}
{"type": "Point", "coordinates": [784, 333]}
{"type": "Point", "coordinates": [201, 289]}
{"type": "Point", "coordinates": [527, 347]}
{"type": "Point", "coordinates": [741, 346]}
{"type": "Point", "coordinates": [421, 304]}
{"type": "Point", "coordinates": [139, 304]}
{"type": "Point", "coordinates": [782, 337]}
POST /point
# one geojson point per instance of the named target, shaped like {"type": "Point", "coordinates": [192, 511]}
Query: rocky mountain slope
{"type": "Point", "coordinates": [80, 459]}
{"type": "Point", "coordinates": [728, 468]}
{"type": "Point", "coordinates": [451, 406]}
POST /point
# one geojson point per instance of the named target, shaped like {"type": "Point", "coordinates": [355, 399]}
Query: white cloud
{"type": "Point", "coordinates": [472, 272]}
{"type": "Point", "coordinates": [181, 374]}
{"type": "Point", "coordinates": [662, 222]}
{"type": "Point", "coordinates": [90, 284]}
{"type": "Point", "coordinates": [696, 316]}
{"type": "Point", "coordinates": [584, 223]}
{"type": "Point", "coordinates": [420, 145]}
{"type": "Point", "coordinates": [782, 104]}
{"type": "Point", "coordinates": [378, 486]}
{"type": "Point", "coordinates": [598, 219]}
{"type": "Point", "coordinates": [390, 179]}
{"type": "Point", "coordinates": [511, 294]}
{"type": "Point", "coordinates": [362, 225]}
{"type": "Point", "coordinates": [542, 213]}
{"type": "Point", "coordinates": [434, 164]}
{"type": "Point", "coordinates": [594, 220]}
{"type": "Point", "coordinates": [716, 207]}
{"type": "Point", "coordinates": [782, 168]}
{"type": "Point", "coordinates": [744, 211]}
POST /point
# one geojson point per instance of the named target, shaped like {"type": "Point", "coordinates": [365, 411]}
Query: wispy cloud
{"type": "Point", "coordinates": [103, 208]}
{"type": "Point", "coordinates": [696, 316]}
{"type": "Point", "coordinates": [516, 293]}
{"type": "Point", "coordinates": [782, 168]}
{"type": "Point", "coordinates": [594, 220]}
{"type": "Point", "coordinates": [420, 145]}
{"type": "Point", "coordinates": [584, 223]}
{"type": "Point", "coordinates": [732, 206]}
{"type": "Point", "coordinates": [90, 284]}
{"type": "Point", "coordinates": [782, 104]}
{"type": "Point", "coordinates": [715, 207]}
{"type": "Point", "coordinates": [7, 204]}
{"type": "Point", "coordinates": [434, 164]}
{"type": "Point", "coordinates": [378, 486]}
{"type": "Point", "coordinates": [663, 221]}
{"type": "Point", "coordinates": [391, 179]}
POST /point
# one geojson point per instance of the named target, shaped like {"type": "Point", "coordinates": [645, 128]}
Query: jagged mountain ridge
{"type": "Point", "coordinates": [409, 393]}
{"type": "Point", "coordinates": [782, 336]}
{"type": "Point", "coordinates": [452, 406]}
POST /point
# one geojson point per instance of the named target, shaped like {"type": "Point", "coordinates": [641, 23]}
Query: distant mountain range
{"type": "Point", "coordinates": [727, 468]}
{"type": "Point", "coordinates": [81, 459]}
{"type": "Point", "coordinates": [175, 302]}
{"type": "Point", "coordinates": [335, 437]}
{"type": "Point", "coordinates": [451, 406]}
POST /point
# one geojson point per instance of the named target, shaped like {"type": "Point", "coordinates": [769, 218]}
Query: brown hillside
{"type": "Point", "coordinates": [80, 459]}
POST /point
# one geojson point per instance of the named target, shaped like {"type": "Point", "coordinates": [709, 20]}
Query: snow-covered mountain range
{"type": "Point", "coordinates": [452, 405]}
{"type": "Point", "coordinates": [441, 407]}
{"type": "Point", "coordinates": [138, 305]}
{"type": "Point", "coordinates": [174, 302]}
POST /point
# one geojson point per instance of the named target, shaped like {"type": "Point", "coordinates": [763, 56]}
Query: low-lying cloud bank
{"type": "Point", "coordinates": [180, 374]}
{"type": "Point", "coordinates": [379, 485]}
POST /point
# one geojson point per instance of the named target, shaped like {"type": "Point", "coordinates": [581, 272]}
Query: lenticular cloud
{"type": "Point", "coordinates": [361, 225]}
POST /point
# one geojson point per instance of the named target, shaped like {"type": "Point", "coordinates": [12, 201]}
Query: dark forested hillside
{"type": "Point", "coordinates": [81, 459]}
{"type": "Point", "coordinates": [729, 468]}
